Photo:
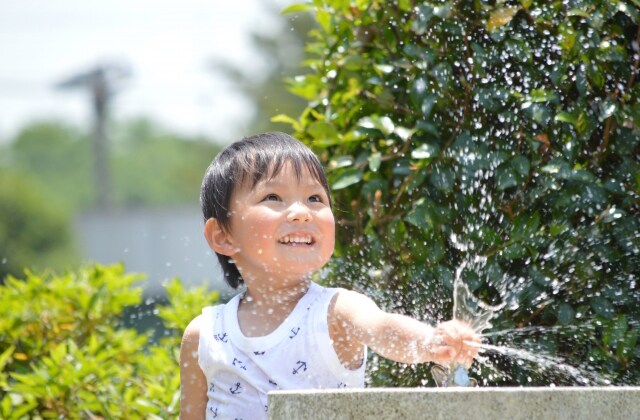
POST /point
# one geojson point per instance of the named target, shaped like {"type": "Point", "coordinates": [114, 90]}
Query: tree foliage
{"type": "Point", "coordinates": [66, 354]}
{"type": "Point", "coordinates": [150, 165]}
{"type": "Point", "coordinates": [504, 135]}
{"type": "Point", "coordinates": [280, 50]}
{"type": "Point", "coordinates": [45, 179]}
{"type": "Point", "coordinates": [35, 229]}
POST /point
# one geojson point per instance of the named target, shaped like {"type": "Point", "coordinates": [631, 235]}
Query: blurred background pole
{"type": "Point", "coordinates": [102, 82]}
{"type": "Point", "coordinates": [101, 169]}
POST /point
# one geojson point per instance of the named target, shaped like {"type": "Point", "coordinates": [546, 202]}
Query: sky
{"type": "Point", "coordinates": [168, 46]}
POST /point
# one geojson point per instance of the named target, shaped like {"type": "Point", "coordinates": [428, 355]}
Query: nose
{"type": "Point", "coordinates": [298, 212]}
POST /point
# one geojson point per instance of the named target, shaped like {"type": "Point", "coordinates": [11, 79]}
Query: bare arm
{"type": "Point", "coordinates": [193, 384]}
{"type": "Point", "coordinates": [398, 337]}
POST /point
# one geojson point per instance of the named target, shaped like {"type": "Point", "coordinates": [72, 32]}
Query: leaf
{"type": "Point", "coordinates": [425, 151]}
{"type": "Point", "coordinates": [601, 306]}
{"type": "Point", "coordinates": [324, 19]}
{"type": "Point", "coordinates": [443, 178]}
{"type": "Point", "coordinates": [285, 119]}
{"type": "Point", "coordinates": [405, 5]}
{"type": "Point", "coordinates": [607, 109]}
{"type": "Point", "coordinates": [322, 130]}
{"type": "Point", "coordinates": [505, 179]}
{"type": "Point", "coordinates": [341, 162]}
{"type": "Point", "coordinates": [5, 356]}
{"type": "Point", "coordinates": [578, 12]}
{"type": "Point", "coordinates": [421, 216]}
{"type": "Point", "coordinates": [418, 90]}
{"type": "Point", "coordinates": [442, 11]}
{"type": "Point", "coordinates": [347, 178]}
{"type": "Point", "coordinates": [382, 124]}
{"type": "Point", "coordinates": [524, 226]}
{"type": "Point", "coordinates": [630, 11]}
{"type": "Point", "coordinates": [500, 17]}
{"type": "Point", "coordinates": [384, 68]}
{"type": "Point", "coordinates": [374, 161]}
{"type": "Point", "coordinates": [565, 314]}
{"type": "Point", "coordinates": [567, 37]}
{"type": "Point", "coordinates": [427, 105]}
{"type": "Point", "coordinates": [615, 331]}
{"type": "Point", "coordinates": [298, 7]}
{"type": "Point", "coordinates": [404, 133]}
{"type": "Point", "coordinates": [521, 165]}
{"type": "Point", "coordinates": [542, 95]}
{"type": "Point", "coordinates": [628, 344]}
{"type": "Point", "coordinates": [396, 233]}
{"type": "Point", "coordinates": [436, 249]}
{"type": "Point", "coordinates": [565, 117]}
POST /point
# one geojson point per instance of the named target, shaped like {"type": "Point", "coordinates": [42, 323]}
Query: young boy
{"type": "Point", "coordinates": [268, 216]}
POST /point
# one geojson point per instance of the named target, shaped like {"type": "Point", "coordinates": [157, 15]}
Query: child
{"type": "Point", "coordinates": [268, 216]}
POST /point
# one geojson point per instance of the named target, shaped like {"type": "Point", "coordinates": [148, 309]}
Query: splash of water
{"type": "Point", "coordinates": [471, 310]}
{"type": "Point", "coordinates": [467, 308]}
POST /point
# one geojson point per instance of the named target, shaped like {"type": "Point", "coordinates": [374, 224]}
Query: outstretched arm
{"type": "Point", "coordinates": [360, 322]}
{"type": "Point", "coordinates": [193, 384]}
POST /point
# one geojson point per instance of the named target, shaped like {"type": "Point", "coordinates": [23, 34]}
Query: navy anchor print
{"type": "Point", "coordinates": [300, 366]}
{"type": "Point", "coordinates": [294, 332]}
{"type": "Point", "coordinates": [236, 389]}
{"type": "Point", "coordinates": [238, 363]}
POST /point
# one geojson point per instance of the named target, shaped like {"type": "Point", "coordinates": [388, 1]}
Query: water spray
{"type": "Point", "coordinates": [469, 309]}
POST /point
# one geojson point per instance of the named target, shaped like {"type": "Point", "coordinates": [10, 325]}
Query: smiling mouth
{"type": "Point", "coordinates": [296, 240]}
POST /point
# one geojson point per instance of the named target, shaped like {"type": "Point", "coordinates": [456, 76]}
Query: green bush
{"type": "Point", "coordinates": [66, 354]}
{"type": "Point", "coordinates": [500, 133]}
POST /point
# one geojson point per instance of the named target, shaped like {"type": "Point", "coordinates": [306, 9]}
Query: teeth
{"type": "Point", "coordinates": [296, 239]}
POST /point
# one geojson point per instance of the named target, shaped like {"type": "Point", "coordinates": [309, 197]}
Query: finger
{"type": "Point", "coordinates": [444, 355]}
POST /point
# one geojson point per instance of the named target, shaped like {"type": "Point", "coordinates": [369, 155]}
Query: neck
{"type": "Point", "coordinates": [262, 310]}
{"type": "Point", "coordinates": [265, 295]}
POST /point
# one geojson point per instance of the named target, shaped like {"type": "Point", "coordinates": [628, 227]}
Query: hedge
{"type": "Point", "coordinates": [502, 136]}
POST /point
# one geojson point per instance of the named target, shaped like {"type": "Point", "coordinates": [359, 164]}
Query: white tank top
{"type": "Point", "coordinates": [299, 354]}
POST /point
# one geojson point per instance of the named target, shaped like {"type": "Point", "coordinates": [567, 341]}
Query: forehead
{"type": "Point", "coordinates": [287, 174]}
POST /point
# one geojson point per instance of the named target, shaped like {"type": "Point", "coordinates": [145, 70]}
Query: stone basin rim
{"type": "Point", "coordinates": [514, 403]}
{"type": "Point", "coordinates": [581, 389]}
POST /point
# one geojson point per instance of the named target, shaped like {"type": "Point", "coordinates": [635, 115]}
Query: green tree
{"type": "Point", "coordinates": [152, 166]}
{"type": "Point", "coordinates": [280, 52]}
{"type": "Point", "coordinates": [504, 135]}
{"type": "Point", "coordinates": [34, 226]}
{"type": "Point", "coordinates": [57, 155]}
{"type": "Point", "coordinates": [46, 179]}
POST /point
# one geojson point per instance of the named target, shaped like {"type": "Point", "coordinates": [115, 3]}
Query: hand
{"type": "Point", "coordinates": [453, 341]}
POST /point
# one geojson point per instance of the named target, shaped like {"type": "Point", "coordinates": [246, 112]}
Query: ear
{"type": "Point", "coordinates": [218, 239]}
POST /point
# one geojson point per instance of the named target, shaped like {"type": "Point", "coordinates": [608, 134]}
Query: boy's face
{"type": "Point", "coordinates": [283, 228]}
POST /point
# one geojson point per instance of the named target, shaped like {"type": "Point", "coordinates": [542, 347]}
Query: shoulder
{"type": "Point", "coordinates": [346, 301]}
{"type": "Point", "coordinates": [191, 336]}
{"type": "Point", "coordinates": [347, 306]}
{"type": "Point", "coordinates": [193, 329]}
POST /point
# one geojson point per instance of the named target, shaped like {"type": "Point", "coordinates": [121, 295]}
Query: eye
{"type": "Point", "coordinates": [271, 197]}
{"type": "Point", "coordinates": [315, 199]}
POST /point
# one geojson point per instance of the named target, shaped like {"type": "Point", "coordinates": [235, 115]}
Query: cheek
{"type": "Point", "coordinates": [328, 224]}
{"type": "Point", "coordinates": [257, 223]}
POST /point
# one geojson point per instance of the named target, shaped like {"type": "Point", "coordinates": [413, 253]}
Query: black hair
{"type": "Point", "coordinates": [250, 160]}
